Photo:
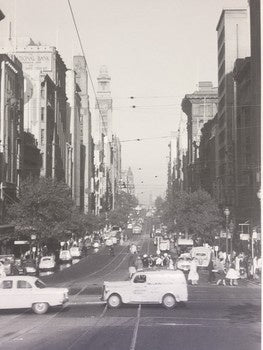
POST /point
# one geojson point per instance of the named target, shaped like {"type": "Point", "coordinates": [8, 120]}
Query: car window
{"type": "Point", "coordinates": [40, 284]}
{"type": "Point", "coordinates": [7, 284]}
{"type": "Point", "coordinates": [23, 285]}
{"type": "Point", "coordinates": [140, 279]}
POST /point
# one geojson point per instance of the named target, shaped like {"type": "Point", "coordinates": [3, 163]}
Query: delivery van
{"type": "Point", "coordinates": [166, 287]}
{"type": "Point", "coordinates": [202, 254]}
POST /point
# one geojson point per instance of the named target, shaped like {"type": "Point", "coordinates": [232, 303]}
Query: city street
{"type": "Point", "coordinates": [216, 317]}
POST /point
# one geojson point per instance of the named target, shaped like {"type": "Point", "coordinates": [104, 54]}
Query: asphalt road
{"type": "Point", "coordinates": [216, 317]}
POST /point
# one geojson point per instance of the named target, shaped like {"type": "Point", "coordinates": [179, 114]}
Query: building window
{"type": "Point", "coordinates": [42, 114]}
{"type": "Point", "coordinates": [42, 137]}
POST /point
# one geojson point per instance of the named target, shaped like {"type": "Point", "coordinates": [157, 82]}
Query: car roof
{"type": "Point", "coordinates": [158, 271]}
{"type": "Point", "coordinates": [16, 278]}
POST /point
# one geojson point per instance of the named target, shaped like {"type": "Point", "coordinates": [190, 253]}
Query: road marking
{"type": "Point", "coordinates": [180, 324]}
{"type": "Point", "coordinates": [135, 331]}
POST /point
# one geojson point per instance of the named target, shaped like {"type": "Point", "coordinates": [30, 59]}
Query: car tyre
{"type": "Point", "coordinates": [114, 301]}
{"type": "Point", "coordinates": [169, 301]}
{"type": "Point", "coordinates": [40, 308]}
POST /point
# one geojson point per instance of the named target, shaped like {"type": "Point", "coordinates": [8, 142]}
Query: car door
{"type": "Point", "coordinates": [24, 294]}
{"type": "Point", "coordinates": [139, 288]}
{"type": "Point", "coordinates": [7, 294]}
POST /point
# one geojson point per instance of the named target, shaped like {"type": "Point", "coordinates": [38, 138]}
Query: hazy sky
{"type": "Point", "coordinates": [155, 51]}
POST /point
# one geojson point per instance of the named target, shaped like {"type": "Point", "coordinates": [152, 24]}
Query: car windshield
{"type": "Point", "coordinates": [40, 284]}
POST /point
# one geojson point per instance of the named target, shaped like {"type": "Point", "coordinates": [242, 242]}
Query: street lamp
{"type": "Point", "coordinates": [227, 213]}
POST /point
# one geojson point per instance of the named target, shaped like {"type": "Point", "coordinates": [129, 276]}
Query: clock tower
{"type": "Point", "coordinates": [104, 103]}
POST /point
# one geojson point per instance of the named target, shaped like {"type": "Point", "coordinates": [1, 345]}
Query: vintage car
{"type": "Point", "coordinates": [166, 287]}
{"type": "Point", "coordinates": [202, 254]}
{"type": "Point", "coordinates": [65, 256]}
{"type": "Point", "coordinates": [47, 263]}
{"type": "Point", "coordinates": [22, 292]}
{"type": "Point", "coordinates": [75, 252]}
{"type": "Point", "coordinates": [184, 262]}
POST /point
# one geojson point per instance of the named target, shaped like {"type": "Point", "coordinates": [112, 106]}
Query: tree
{"type": "Point", "coordinates": [125, 203]}
{"type": "Point", "coordinates": [196, 214]}
{"type": "Point", "coordinates": [45, 206]}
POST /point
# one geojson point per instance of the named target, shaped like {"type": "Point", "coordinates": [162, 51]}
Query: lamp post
{"type": "Point", "coordinates": [227, 213]}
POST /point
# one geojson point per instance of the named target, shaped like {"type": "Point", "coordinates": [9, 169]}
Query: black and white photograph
{"type": "Point", "coordinates": [130, 175]}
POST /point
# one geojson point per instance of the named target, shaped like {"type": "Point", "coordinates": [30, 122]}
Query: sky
{"type": "Point", "coordinates": [156, 51]}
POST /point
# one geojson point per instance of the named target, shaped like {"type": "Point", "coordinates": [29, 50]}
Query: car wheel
{"type": "Point", "coordinates": [169, 301]}
{"type": "Point", "coordinates": [114, 301]}
{"type": "Point", "coordinates": [40, 308]}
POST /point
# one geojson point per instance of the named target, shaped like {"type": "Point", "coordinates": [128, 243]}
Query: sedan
{"type": "Point", "coordinates": [22, 292]}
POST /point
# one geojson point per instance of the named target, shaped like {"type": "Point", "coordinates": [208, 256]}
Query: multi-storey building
{"type": "Point", "coordinates": [73, 166]}
{"type": "Point", "coordinates": [207, 157]}
{"type": "Point", "coordinates": [87, 164]}
{"type": "Point", "coordinates": [102, 137]}
{"type": "Point", "coordinates": [233, 42]}
{"type": "Point", "coordinates": [127, 180]}
{"type": "Point", "coordinates": [45, 104]}
{"type": "Point", "coordinates": [115, 170]}
{"type": "Point", "coordinates": [199, 107]}
{"type": "Point", "coordinates": [11, 127]}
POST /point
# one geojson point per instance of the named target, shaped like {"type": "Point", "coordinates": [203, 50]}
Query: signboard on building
{"type": "Point", "coordinates": [35, 60]}
{"type": "Point", "coordinates": [244, 236]}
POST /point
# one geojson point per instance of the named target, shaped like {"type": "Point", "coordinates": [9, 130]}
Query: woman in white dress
{"type": "Point", "coordinates": [232, 275]}
{"type": "Point", "coordinates": [193, 274]}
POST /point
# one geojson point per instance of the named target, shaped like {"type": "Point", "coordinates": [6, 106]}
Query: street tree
{"type": "Point", "coordinates": [195, 214]}
{"type": "Point", "coordinates": [45, 206]}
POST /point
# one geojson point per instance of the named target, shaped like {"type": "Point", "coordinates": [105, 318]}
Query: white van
{"type": "Point", "coordinates": [202, 254]}
{"type": "Point", "coordinates": [166, 287]}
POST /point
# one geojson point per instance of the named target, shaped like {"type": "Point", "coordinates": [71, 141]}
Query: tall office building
{"type": "Point", "coordinates": [233, 42]}
{"type": "Point", "coordinates": [87, 164]}
{"type": "Point", "coordinates": [199, 107]}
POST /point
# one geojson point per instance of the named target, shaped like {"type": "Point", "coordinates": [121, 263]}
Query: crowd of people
{"type": "Point", "coordinates": [222, 269]}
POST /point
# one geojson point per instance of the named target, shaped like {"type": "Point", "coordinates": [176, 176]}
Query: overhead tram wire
{"type": "Point", "coordinates": [86, 62]}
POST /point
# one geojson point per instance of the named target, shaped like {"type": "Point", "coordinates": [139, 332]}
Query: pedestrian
{"type": "Point", "coordinates": [2, 270]}
{"type": "Point", "coordinates": [132, 264]}
{"type": "Point", "coordinates": [221, 272]}
{"type": "Point", "coordinates": [193, 275]}
{"type": "Point", "coordinates": [232, 275]}
{"type": "Point", "coordinates": [211, 273]}
{"type": "Point", "coordinates": [139, 264]}
{"type": "Point", "coordinates": [171, 264]}
{"type": "Point", "coordinates": [145, 261]}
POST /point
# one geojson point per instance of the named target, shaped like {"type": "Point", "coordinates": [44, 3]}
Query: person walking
{"type": "Point", "coordinates": [193, 276]}
{"type": "Point", "coordinates": [221, 273]}
{"type": "Point", "coordinates": [232, 275]}
{"type": "Point", "coordinates": [132, 264]}
{"type": "Point", "coordinates": [211, 274]}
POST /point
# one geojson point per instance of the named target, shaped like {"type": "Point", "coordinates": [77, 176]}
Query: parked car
{"type": "Point", "coordinates": [8, 261]}
{"type": "Point", "coordinates": [166, 287]}
{"type": "Point", "coordinates": [30, 267]}
{"type": "Point", "coordinates": [75, 252]}
{"type": "Point", "coordinates": [47, 263]}
{"type": "Point", "coordinates": [65, 256]}
{"type": "Point", "coordinates": [29, 292]}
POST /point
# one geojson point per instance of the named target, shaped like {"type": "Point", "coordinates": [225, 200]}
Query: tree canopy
{"type": "Point", "coordinates": [196, 213]}
{"type": "Point", "coordinates": [46, 207]}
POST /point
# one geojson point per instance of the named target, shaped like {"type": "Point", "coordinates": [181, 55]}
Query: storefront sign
{"type": "Point", "coordinates": [35, 60]}
{"type": "Point", "coordinates": [20, 242]}
{"type": "Point", "coordinates": [244, 236]}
